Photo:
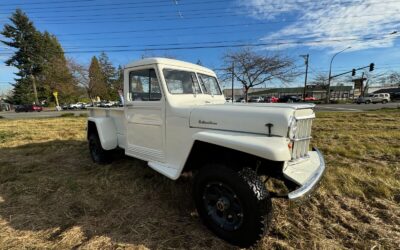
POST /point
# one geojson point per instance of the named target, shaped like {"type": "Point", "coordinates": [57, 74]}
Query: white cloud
{"type": "Point", "coordinates": [332, 24]}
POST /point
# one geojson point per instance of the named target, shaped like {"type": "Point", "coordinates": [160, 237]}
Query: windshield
{"type": "Point", "coordinates": [209, 84]}
{"type": "Point", "coordinates": [181, 82]}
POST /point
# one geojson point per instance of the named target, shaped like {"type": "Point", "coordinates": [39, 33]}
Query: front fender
{"type": "Point", "coordinates": [271, 148]}
{"type": "Point", "coordinates": [106, 130]}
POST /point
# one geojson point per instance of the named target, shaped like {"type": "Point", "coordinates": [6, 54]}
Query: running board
{"type": "Point", "coordinates": [164, 169]}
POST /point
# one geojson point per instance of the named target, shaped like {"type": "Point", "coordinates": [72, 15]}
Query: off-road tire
{"type": "Point", "coordinates": [367, 102]}
{"type": "Point", "coordinates": [384, 101]}
{"type": "Point", "coordinates": [98, 154]}
{"type": "Point", "coordinates": [249, 190]}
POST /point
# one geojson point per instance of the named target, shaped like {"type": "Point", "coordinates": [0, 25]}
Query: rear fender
{"type": "Point", "coordinates": [106, 130]}
{"type": "Point", "coordinates": [270, 148]}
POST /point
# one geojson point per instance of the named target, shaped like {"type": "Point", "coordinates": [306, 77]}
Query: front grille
{"type": "Point", "coordinates": [302, 138]}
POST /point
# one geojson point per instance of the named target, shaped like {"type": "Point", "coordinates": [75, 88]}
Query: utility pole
{"type": "Point", "coordinates": [233, 79]}
{"type": "Point", "coordinates": [306, 57]}
{"type": "Point", "coordinates": [362, 85]}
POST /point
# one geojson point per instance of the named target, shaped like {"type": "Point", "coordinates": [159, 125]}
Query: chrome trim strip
{"type": "Point", "coordinates": [302, 139]}
{"type": "Point", "coordinates": [312, 182]}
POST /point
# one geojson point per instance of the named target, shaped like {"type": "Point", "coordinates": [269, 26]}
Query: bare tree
{"type": "Point", "coordinates": [320, 80]}
{"type": "Point", "coordinates": [81, 76]}
{"type": "Point", "coordinates": [394, 78]}
{"type": "Point", "coordinates": [253, 69]}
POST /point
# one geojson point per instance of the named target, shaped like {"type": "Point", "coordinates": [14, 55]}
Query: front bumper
{"type": "Point", "coordinates": [312, 181]}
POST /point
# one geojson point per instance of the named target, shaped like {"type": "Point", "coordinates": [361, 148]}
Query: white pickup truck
{"type": "Point", "coordinates": [175, 118]}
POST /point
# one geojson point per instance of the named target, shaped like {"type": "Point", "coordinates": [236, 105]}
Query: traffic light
{"type": "Point", "coordinates": [371, 66]}
{"type": "Point", "coordinates": [353, 72]}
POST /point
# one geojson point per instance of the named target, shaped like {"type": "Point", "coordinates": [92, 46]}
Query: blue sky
{"type": "Point", "coordinates": [126, 30]}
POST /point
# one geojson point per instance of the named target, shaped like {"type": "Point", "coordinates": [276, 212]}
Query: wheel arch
{"type": "Point", "coordinates": [106, 131]}
{"type": "Point", "coordinates": [203, 153]}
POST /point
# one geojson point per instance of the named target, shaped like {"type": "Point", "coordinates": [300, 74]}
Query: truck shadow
{"type": "Point", "coordinates": [52, 193]}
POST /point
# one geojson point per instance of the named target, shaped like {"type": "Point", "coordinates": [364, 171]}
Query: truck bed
{"type": "Point", "coordinates": [117, 115]}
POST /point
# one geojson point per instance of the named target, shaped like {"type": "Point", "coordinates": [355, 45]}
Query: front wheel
{"type": "Point", "coordinates": [98, 154]}
{"type": "Point", "coordinates": [234, 205]}
{"type": "Point", "coordinates": [384, 101]}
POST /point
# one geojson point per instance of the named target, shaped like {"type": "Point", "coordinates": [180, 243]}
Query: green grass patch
{"type": "Point", "coordinates": [6, 135]}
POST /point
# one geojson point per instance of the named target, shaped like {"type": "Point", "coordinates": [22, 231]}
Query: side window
{"type": "Point", "coordinates": [144, 85]}
{"type": "Point", "coordinates": [209, 84]}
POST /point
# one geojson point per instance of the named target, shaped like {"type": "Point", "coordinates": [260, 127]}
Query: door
{"type": "Point", "coordinates": [145, 116]}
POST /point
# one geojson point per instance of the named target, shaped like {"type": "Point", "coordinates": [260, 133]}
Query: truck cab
{"type": "Point", "coordinates": [176, 118]}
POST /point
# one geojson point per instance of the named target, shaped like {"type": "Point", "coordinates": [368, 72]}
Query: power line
{"type": "Point", "coordinates": [125, 6]}
{"type": "Point", "coordinates": [209, 42]}
{"type": "Point", "coordinates": [199, 27]}
{"type": "Point", "coordinates": [172, 16]}
{"type": "Point", "coordinates": [48, 2]}
{"type": "Point", "coordinates": [224, 45]}
{"type": "Point", "coordinates": [107, 7]}
{"type": "Point", "coordinates": [171, 12]}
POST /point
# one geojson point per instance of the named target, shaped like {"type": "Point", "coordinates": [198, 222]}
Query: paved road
{"type": "Point", "coordinates": [355, 107]}
{"type": "Point", "coordinates": [320, 107]}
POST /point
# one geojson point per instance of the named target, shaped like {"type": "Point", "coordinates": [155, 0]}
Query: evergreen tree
{"type": "Point", "coordinates": [97, 84]}
{"type": "Point", "coordinates": [55, 75]}
{"type": "Point", "coordinates": [119, 82]}
{"type": "Point", "coordinates": [110, 75]}
{"type": "Point", "coordinates": [39, 58]}
{"type": "Point", "coordinates": [23, 36]}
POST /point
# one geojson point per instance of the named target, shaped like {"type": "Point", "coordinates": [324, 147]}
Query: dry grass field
{"type": "Point", "coordinates": [52, 196]}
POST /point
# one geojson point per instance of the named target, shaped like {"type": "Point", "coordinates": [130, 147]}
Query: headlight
{"type": "Point", "coordinates": [292, 127]}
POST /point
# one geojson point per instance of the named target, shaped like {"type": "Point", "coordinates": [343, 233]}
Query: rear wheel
{"type": "Point", "coordinates": [234, 205]}
{"type": "Point", "coordinates": [98, 154]}
{"type": "Point", "coordinates": [367, 102]}
{"type": "Point", "coordinates": [384, 101]}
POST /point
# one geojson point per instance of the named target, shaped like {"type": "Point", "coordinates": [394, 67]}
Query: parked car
{"type": "Point", "coordinates": [381, 98]}
{"type": "Point", "coordinates": [289, 98]}
{"type": "Point", "coordinates": [28, 108]}
{"type": "Point", "coordinates": [241, 99]}
{"type": "Point", "coordinates": [78, 105]}
{"type": "Point", "coordinates": [229, 148]}
{"type": "Point", "coordinates": [106, 104]}
{"type": "Point", "coordinates": [271, 99]}
{"type": "Point", "coordinates": [256, 99]}
{"type": "Point", "coordinates": [395, 96]}
{"type": "Point", "coordinates": [364, 99]}
{"type": "Point", "coordinates": [310, 98]}
{"type": "Point", "coordinates": [374, 98]}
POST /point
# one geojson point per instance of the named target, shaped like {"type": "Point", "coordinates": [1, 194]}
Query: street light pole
{"type": "Point", "coordinates": [328, 94]}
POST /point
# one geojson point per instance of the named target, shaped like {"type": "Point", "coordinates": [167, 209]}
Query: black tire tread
{"type": "Point", "coordinates": [245, 179]}
{"type": "Point", "coordinates": [105, 156]}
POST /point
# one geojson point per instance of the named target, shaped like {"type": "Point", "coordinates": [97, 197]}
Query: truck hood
{"type": "Point", "coordinates": [248, 117]}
